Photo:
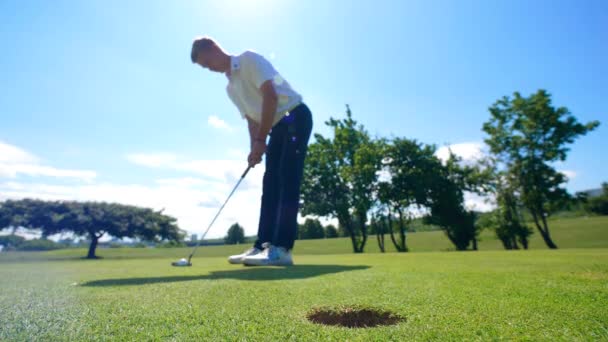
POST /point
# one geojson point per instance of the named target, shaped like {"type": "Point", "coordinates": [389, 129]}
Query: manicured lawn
{"type": "Point", "coordinates": [485, 295]}
{"type": "Point", "coordinates": [491, 294]}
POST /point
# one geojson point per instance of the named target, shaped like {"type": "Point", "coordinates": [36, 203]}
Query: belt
{"type": "Point", "coordinates": [285, 116]}
{"type": "Point", "coordinates": [291, 109]}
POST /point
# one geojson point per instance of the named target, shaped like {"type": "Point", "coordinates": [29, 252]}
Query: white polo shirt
{"type": "Point", "coordinates": [248, 72]}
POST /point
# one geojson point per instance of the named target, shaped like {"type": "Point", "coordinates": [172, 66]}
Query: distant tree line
{"type": "Point", "coordinates": [382, 185]}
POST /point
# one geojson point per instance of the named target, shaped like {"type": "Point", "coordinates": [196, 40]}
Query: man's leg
{"type": "Point", "coordinates": [270, 192]}
{"type": "Point", "coordinates": [291, 172]}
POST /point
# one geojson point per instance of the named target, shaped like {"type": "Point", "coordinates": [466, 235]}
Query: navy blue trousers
{"type": "Point", "coordinates": [285, 154]}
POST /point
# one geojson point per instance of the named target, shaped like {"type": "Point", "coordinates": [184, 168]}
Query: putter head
{"type": "Point", "coordinates": [181, 263]}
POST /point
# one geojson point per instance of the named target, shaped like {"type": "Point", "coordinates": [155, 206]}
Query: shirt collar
{"type": "Point", "coordinates": [235, 64]}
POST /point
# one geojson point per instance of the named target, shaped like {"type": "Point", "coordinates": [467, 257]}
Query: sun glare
{"type": "Point", "coordinates": [246, 11]}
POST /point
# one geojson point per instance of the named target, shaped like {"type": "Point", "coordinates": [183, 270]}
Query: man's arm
{"type": "Point", "coordinates": [269, 108]}
{"type": "Point", "coordinates": [253, 131]}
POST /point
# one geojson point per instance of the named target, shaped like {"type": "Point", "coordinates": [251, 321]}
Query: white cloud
{"type": "Point", "coordinates": [468, 151]}
{"type": "Point", "coordinates": [13, 154]}
{"type": "Point", "coordinates": [568, 173]}
{"type": "Point", "coordinates": [218, 123]}
{"type": "Point", "coordinates": [184, 182]}
{"type": "Point", "coordinates": [152, 159]}
{"type": "Point", "coordinates": [15, 161]}
{"type": "Point", "coordinates": [192, 200]}
{"type": "Point", "coordinates": [220, 169]}
{"type": "Point", "coordinates": [384, 175]}
{"type": "Point", "coordinates": [476, 202]}
{"type": "Point", "coordinates": [12, 170]}
{"type": "Point", "coordinates": [237, 153]}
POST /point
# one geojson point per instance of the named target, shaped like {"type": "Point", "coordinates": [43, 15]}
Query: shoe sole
{"type": "Point", "coordinates": [268, 264]}
{"type": "Point", "coordinates": [236, 262]}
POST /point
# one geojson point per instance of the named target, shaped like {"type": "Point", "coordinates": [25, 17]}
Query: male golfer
{"type": "Point", "coordinates": [272, 108]}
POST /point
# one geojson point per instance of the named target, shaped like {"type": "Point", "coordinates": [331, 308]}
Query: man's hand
{"type": "Point", "coordinates": [255, 156]}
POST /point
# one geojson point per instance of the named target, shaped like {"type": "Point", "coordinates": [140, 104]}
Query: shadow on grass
{"type": "Point", "coordinates": [253, 273]}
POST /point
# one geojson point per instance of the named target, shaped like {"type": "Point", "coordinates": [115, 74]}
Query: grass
{"type": "Point", "coordinates": [133, 294]}
{"type": "Point", "coordinates": [583, 232]}
{"type": "Point", "coordinates": [488, 295]}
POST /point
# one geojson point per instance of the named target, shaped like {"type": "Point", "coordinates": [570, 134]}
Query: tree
{"type": "Point", "coordinates": [527, 134]}
{"type": "Point", "coordinates": [599, 204]}
{"type": "Point", "coordinates": [331, 232]}
{"type": "Point", "coordinates": [92, 219]}
{"type": "Point", "coordinates": [507, 220]}
{"type": "Point", "coordinates": [15, 214]}
{"type": "Point", "coordinates": [448, 212]}
{"type": "Point", "coordinates": [340, 175]}
{"type": "Point", "coordinates": [311, 229]}
{"type": "Point", "coordinates": [446, 200]}
{"type": "Point", "coordinates": [410, 169]}
{"type": "Point", "coordinates": [235, 235]}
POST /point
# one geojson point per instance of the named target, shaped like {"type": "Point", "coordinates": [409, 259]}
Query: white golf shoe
{"type": "Point", "coordinates": [270, 256]}
{"type": "Point", "coordinates": [238, 258]}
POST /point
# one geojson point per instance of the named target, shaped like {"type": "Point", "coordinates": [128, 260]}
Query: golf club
{"type": "Point", "coordinates": [188, 262]}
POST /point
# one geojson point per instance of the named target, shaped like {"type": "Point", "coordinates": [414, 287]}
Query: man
{"type": "Point", "coordinates": [272, 108]}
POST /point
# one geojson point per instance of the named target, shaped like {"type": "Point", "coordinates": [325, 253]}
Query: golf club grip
{"type": "Point", "coordinates": [247, 170]}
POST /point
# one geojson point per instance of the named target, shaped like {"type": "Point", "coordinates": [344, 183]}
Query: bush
{"type": "Point", "coordinates": [11, 241]}
{"type": "Point", "coordinates": [172, 244]}
{"type": "Point", "coordinates": [311, 229]}
{"type": "Point", "coordinates": [599, 205]}
{"type": "Point", "coordinates": [331, 232]}
{"type": "Point", "coordinates": [39, 245]}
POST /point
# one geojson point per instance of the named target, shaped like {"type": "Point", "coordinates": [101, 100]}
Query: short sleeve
{"type": "Point", "coordinates": [259, 69]}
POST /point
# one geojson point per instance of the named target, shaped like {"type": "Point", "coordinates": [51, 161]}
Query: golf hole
{"type": "Point", "coordinates": [353, 317]}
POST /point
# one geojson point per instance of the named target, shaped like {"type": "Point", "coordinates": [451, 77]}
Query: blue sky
{"type": "Point", "coordinates": [99, 100]}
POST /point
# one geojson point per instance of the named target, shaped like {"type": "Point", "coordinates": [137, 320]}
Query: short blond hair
{"type": "Point", "coordinates": [201, 44]}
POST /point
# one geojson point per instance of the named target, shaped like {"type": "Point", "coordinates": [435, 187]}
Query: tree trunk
{"type": "Point", "coordinates": [345, 222]}
{"type": "Point", "coordinates": [474, 244]}
{"type": "Point", "coordinates": [544, 233]}
{"type": "Point", "coordinates": [93, 245]}
{"type": "Point", "coordinates": [402, 232]}
{"type": "Point", "coordinates": [362, 219]}
{"type": "Point", "coordinates": [547, 238]}
{"type": "Point", "coordinates": [380, 238]}
{"type": "Point", "coordinates": [353, 239]}
{"type": "Point", "coordinates": [524, 242]}
{"type": "Point", "coordinates": [380, 234]}
{"type": "Point", "coordinates": [514, 243]}
{"type": "Point", "coordinates": [390, 228]}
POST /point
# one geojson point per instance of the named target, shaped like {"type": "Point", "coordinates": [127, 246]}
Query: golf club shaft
{"type": "Point", "coordinates": [218, 213]}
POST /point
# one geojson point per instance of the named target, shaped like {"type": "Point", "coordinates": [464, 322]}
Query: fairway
{"type": "Point", "coordinates": [486, 295]}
